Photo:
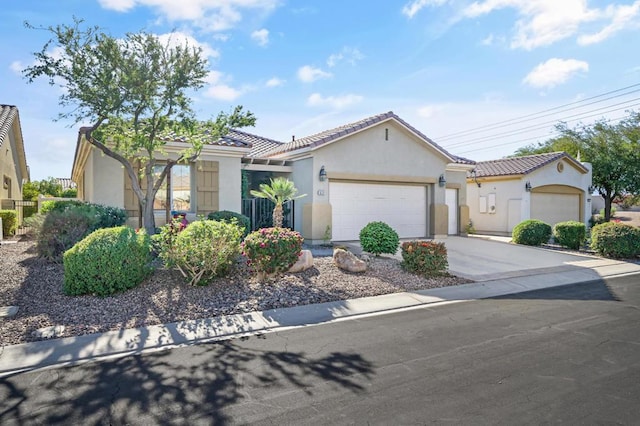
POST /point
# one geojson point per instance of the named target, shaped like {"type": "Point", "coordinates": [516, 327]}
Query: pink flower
{"type": "Point", "coordinates": [262, 245]}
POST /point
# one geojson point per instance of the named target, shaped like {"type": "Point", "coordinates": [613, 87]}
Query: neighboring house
{"type": "Point", "coordinates": [551, 187]}
{"type": "Point", "coordinates": [380, 168]}
{"type": "Point", "coordinates": [14, 171]}
{"type": "Point", "coordinates": [66, 183]}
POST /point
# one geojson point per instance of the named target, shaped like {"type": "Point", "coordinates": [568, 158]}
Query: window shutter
{"type": "Point", "coordinates": [207, 187]}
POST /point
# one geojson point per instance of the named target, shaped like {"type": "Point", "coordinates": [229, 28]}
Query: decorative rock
{"type": "Point", "coordinates": [8, 311]}
{"type": "Point", "coordinates": [305, 261]}
{"type": "Point", "coordinates": [49, 332]}
{"type": "Point", "coordinates": [347, 261]}
{"type": "Point", "coordinates": [365, 258]}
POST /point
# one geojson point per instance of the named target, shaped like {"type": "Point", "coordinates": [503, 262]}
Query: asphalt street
{"type": "Point", "coordinates": [566, 355]}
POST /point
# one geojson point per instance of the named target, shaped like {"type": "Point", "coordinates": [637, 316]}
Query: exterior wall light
{"type": "Point", "coordinates": [474, 176]}
{"type": "Point", "coordinates": [527, 186]}
{"type": "Point", "coordinates": [442, 181]}
{"type": "Point", "coordinates": [323, 174]}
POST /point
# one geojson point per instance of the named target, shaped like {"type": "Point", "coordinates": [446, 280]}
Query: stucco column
{"type": "Point", "coordinates": [439, 220]}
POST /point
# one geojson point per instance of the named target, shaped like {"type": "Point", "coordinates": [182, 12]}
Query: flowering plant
{"type": "Point", "coordinates": [426, 258]}
{"type": "Point", "coordinates": [272, 250]}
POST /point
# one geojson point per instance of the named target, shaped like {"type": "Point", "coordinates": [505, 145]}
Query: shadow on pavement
{"type": "Point", "coordinates": [592, 290]}
{"type": "Point", "coordinates": [169, 387]}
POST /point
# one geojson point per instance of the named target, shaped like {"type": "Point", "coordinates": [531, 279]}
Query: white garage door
{"type": "Point", "coordinates": [554, 208]}
{"type": "Point", "coordinates": [353, 205]}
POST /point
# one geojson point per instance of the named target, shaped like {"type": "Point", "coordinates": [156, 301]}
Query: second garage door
{"type": "Point", "coordinates": [554, 208]}
{"type": "Point", "coordinates": [403, 207]}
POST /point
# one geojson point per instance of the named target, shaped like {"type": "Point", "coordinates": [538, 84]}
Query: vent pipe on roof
{"type": "Point", "coordinates": [293, 138]}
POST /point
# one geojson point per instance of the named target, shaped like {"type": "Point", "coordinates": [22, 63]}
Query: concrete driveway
{"type": "Point", "coordinates": [484, 259]}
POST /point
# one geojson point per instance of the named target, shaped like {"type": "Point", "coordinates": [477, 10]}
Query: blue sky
{"type": "Point", "coordinates": [445, 66]}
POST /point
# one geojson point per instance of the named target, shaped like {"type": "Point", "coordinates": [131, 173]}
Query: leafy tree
{"type": "Point", "coordinates": [279, 192]}
{"type": "Point", "coordinates": [612, 149]}
{"type": "Point", "coordinates": [135, 93]}
{"type": "Point", "coordinates": [562, 143]}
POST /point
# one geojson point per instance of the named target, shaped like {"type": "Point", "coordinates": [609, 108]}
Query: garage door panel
{"type": "Point", "coordinates": [354, 205]}
{"type": "Point", "coordinates": [554, 208]}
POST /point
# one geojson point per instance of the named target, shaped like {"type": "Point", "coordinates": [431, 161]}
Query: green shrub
{"type": "Point", "coordinates": [59, 205]}
{"type": "Point", "coordinates": [204, 250]}
{"type": "Point", "coordinates": [570, 234]}
{"type": "Point", "coordinates": [228, 217]}
{"type": "Point", "coordinates": [61, 230]}
{"type": "Point", "coordinates": [426, 258]}
{"type": "Point", "coordinates": [9, 222]}
{"type": "Point", "coordinates": [378, 237]}
{"type": "Point", "coordinates": [615, 240]}
{"type": "Point", "coordinates": [531, 232]}
{"type": "Point", "coordinates": [67, 222]}
{"type": "Point", "coordinates": [106, 216]}
{"type": "Point", "coordinates": [107, 261]}
{"type": "Point", "coordinates": [272, 250]}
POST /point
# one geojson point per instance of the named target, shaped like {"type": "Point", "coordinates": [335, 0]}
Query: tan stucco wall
{"type": "Point", "coordinates": [9, 168]}
{"type": "Point", "coordinates": [439, 220]}
{"type": "Point", "coordinates": [104, 180]}
{"type": "Point", "coordinates": [230, 189]}
{"type": "Point", "coordinates": [368, 156]}
{"type": "Point", "coordinates": [511, 194]}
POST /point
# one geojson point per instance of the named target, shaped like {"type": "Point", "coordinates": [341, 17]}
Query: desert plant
{"type": "Point", "coordinates": [9, 222]}
{"type": "Point", "coordinates": [279, 191]}
{"type": "Point", "coordinates": [203, 251]}
{"type": "Point", "coordinates": [107, 261]}
{"type": "Point", "coordinates": [470, 229]}
{"type": "Point", "coordinates": [61, 230]}
{"type": "Point", "coordinates": [378, 237]}
{"type": "Point", "coordinates": [570, 234]}
{"type": "Point", "coordinates": [427, 258]}
{"type": "Point", "coordinates": [228, 216]}
{"type": "Point", "coordinates": [272, 250]}
{"type": "Point", "coordinates": [615, 240]}
{"type": "Point", "coordinates": [531, 232]}
{"type": "Point", "coordinates": [64, 223]}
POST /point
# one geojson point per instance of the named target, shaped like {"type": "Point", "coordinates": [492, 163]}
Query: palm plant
{"type": "Point", "coordinates": [279, 192]}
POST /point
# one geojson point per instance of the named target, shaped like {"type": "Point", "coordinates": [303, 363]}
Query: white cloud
{"type": "Point", "coordinates": [348, 54]}
{"type": "Point", "coordinates": [261, 37]}
{"type": "Point", "coordinates": [208, 15]}
{"type": "Point", "coordinates": [622, 16]}
{"type": "Point", "coordinates": [428, 111]}
{"type": "Point", "coordinates": [308, 74]}
{"type": "Point", "coordinates": [179, 38]}
{"type": "Point", "coordinates": [17, 67]}
{"type": "Point", "coordinates": [275, 82]}
{"type": "Point", "coordinates": [220, 89]}
{"type": "Point", "coordinates": [337, 102]}
{"type": "Point", "coordinates": [554, 71]}
{"type": "Point", "coordinates": [410, 9]}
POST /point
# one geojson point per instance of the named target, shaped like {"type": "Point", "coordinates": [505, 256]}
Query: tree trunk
{"type": "Point", "coordinates": [608, 198]}
{"type": "Point", "coordinates": [149, 218]}
{"type": "Point", "coordinates": [277, 216]}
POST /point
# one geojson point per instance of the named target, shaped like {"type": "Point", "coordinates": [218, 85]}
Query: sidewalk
{"type": "Point", "coordinates": [71, 350]}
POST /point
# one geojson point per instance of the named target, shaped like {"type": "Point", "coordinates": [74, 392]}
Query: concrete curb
{"type": "Point", "coordinates": [71, 350]}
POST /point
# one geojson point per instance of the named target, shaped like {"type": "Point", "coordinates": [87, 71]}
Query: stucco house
{"type": "Point", "coordinates": [13, 162]}
{"type": "Point", "coordinates": [551, 187]}
{"type": "Point", "coordinates": [378, 168]}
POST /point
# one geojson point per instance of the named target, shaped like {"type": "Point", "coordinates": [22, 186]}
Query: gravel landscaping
{"type": "Point", "coordinates": [35, 286]}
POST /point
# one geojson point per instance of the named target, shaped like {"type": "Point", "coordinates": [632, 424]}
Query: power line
{"type": "Point", "coordinates": [524, 118]}
{"type": "Point", "coordinates": [551, 135]}
{"type": "Point", "coordinates": [539, 126]}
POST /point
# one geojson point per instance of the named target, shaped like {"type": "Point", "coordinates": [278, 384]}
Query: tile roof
{"type": "Point", "coordinates": [7, 115]}
{"type": "Point", "coordinates": [518, 165]}
{"type": "Point", "coordinates": [347, 129]}
{"type": "Point", "coordinates": [258, 144]}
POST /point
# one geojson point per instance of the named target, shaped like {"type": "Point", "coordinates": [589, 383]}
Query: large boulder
{"type": "Point", "coordinates": [305, 261]}
{"type": "Point", "coordinates": [348, 261]}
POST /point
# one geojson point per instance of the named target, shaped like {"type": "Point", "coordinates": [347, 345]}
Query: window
{"type": "Point", "coordinates": [179, 191]}
{"type": "Point", "coordinates": [6, 184]}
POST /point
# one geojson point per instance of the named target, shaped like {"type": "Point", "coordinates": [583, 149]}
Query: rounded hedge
{"type": "Point", "coordinates": [107, 261]}
{"type": "Point", "coordinates": [570, 234]}
{"type": "Point", "coordinates": [229, 216]}
{"type": "Point", "coordinates": [378, 237]}
{"type": "Point", "coordinates": [615, 240]}
{"type": "Point", "coordinates": [272, 250]}
{"type": "Point", "coordinates": [531, 232]}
